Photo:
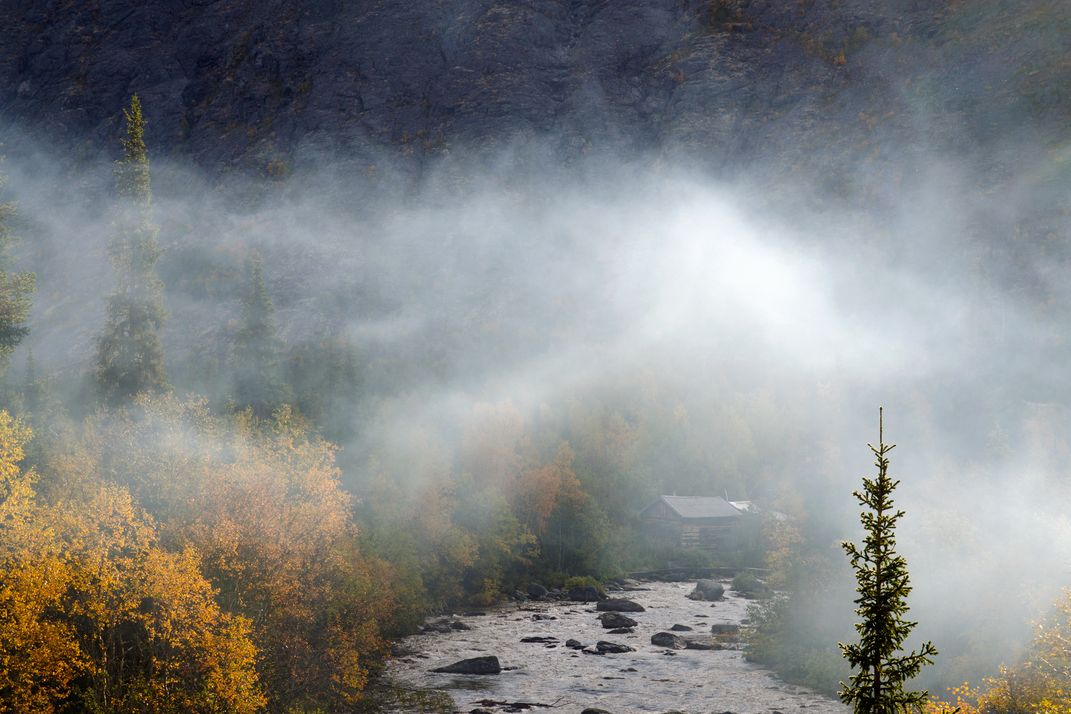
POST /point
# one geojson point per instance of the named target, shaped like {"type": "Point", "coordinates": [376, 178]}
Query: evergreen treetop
{"type": "Point", "coordinates": [130, 358]}
{"type": "Point", "coordinates": [878, 685]}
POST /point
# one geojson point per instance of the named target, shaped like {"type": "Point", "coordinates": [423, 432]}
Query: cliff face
{"type": "Point", "coordinates": [247, 83]}
{"type": "Point", "coordinates": [232, 82]}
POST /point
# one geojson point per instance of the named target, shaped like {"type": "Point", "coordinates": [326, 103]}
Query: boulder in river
{"type": "Point", "coordinates": [585, 593]}
{"type": "Point", "coordinates": [539, 640]}
{"type": "Point", "coordinates": [680, 628]}
{"type": "Point", "coordinates": [670, 640]}
{"type": "Point", "coordinates": [444, 626]}
{"type": "Point", "coordinates": [707, 590]}
{"type": "Point", "coordinates": [725, 628]}
{"type": "Point", "coordinates": [536, 591]}
{"type": "Point", "coordinates": [614, 620]}
{"type": "Point", "coordinates": [612, 647]}
{"type": "Point", "coordinates": [702, 643]}
{"type": "Point", "coordinates": [622, 631]}
{"type": "Point", "coordinates": [574, 644]}
{"type": "Point", "coordinates": [619, 605]}
{"type": "Point", "coordinates": [475, 665]}
{"type": "Point", "coordinates": [593, 710]}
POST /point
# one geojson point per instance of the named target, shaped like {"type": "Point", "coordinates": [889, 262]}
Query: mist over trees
{"type": "Point", "coordinates": [389, 387]}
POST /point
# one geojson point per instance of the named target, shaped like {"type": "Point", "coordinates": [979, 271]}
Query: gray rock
{"type": "Point", "coordinates": [702, 643]}
{"type": "Point", "coordinates": [681, 628]}
{"type": "Point", "coordinates": [574, 644]}
{"type": "Point", "coordinates": [475, 665]}
{"type": "Point", "coordinates": [669, 640]}
{"type": "Point", "coordinates": [613, 620]}
{"type": "Point", "coordinates": [622, 631]}
{"type": "Point", "coordinates": [594, 710]}
{"type": "Point", "coordinates": [612, 647]}
{"type": "Point", "coordinates": [725, 628]}
{"type": "Point", "coordinates": [619, 605]}
{"type": "Point", "coordinates": [707, 590]}
{"type": "Point", "coordinates": [536, 591]}
{"type": "Point", "coordinates": [585, 593]}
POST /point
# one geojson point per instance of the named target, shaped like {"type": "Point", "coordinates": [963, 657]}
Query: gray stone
{"type": "Point", "coordinates": [707, 590]}
{"type": "Point", "coordinates": [612, 647]}
{"type": "Point", "coordinates": [669, 640]}
{"type": "Point", "coordinates": [613, 620]}
{"type": "Point", "coordinates": [619, 605]}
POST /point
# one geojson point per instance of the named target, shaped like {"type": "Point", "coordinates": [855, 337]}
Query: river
{"type": "Point", "coordinates": [650, 679]}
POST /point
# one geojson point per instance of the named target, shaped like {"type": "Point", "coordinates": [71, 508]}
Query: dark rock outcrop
{"type": "Point", "coordinates": [680, 628]}
{"type": "Point", "coordinates": [249, 84]}
{"type": "Point", "coordinates": [474, 665]}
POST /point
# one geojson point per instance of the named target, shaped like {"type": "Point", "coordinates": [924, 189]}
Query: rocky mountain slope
{"type": "Point", "coordinates": [249, 84]}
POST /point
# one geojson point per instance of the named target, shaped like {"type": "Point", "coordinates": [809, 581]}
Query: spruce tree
{"type": "Point", "coordinates": [258, 375]}
{"type": "Point", "coordinates": [15, 289]}
{"type": "Point", "coordinates": [130, 358]}
{"type": "Point", "coordinates": [881, 672]}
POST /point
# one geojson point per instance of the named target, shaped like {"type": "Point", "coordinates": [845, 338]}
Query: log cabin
{"type": "Point", "coordinates": [707, 522]}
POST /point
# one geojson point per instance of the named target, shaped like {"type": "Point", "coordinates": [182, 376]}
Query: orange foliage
{"type": "Point", "coordinates": [95, 611]}
{"type": "Point", "coordinates": [262, 506]}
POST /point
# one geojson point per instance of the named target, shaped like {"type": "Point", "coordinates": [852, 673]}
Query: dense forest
{"type": "Point", "coordinates": [308, 334]}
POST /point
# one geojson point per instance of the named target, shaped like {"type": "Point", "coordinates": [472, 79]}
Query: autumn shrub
{"type": "Point", "coordinates": [1040, 683]}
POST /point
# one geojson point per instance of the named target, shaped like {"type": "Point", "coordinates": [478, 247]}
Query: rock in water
{"type": "Point", "coordinates": [707, 590]}
{"type": "Point", "coordinates": [702, 643]}
{"type": "Point", "coordinates": [574, 644]}
{"type": "Point", "coordinates": [680, 628]}
{"type": "Point", "coordinates": [593, 710]}
{"type": "Point", "coordinates": [612, 647]}
{"type": "Point", "coordinates": [614, 620]}
{"type": "Point", "coordinates": [537, 591]}
{"type": "Point", "coordinates": [585, 593]}
{"type": "Point", "coordinates": [619, 605]}
{"type": "Point", "coordinates": [725, 628]}
{"type": "Point", "coordinates": [475, 665]}
{"type": "Point", "coordinates": [670, 640]}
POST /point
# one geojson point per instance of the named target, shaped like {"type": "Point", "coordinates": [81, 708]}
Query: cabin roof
{"type": "Point", "coordinates": [700, 506]}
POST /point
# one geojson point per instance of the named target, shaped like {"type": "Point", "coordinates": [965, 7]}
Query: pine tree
{"type": "Point", "coordinates": [258, 378]}
{"type": "Point", "coordinates": [130, 358]}
{"type": "Point", "coordinates": [15, 290]}
{"type": "Point", "coordinates": [883, 586]}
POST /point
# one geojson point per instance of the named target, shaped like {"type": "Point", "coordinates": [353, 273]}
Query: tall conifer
{"type": "Point", "coordinates": [15, 290]}
{"type": "Point", "coordinates": [130, 358]}
{"type": "Point", "coordinates": [877, 687]}
{"type": "Point", "coordinates": [258, 377]}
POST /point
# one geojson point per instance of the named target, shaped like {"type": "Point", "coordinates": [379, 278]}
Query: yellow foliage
{"type": "Point", "coordinates": [1041, 684]}
{"type": "Point", "coordinates": [93, 610]}
{"type": "Point", "coordinates": [262, 506]}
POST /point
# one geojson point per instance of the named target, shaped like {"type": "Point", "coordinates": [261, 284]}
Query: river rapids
{"type": "Point", "coordinates": [649, 679]}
